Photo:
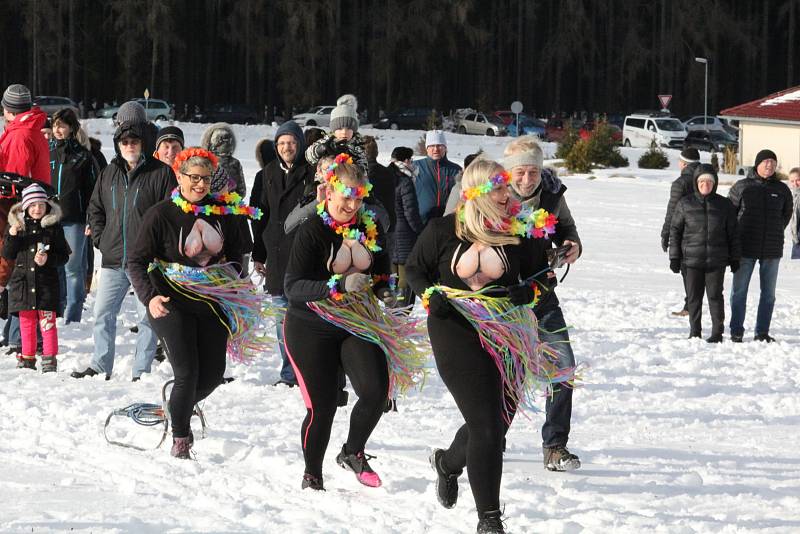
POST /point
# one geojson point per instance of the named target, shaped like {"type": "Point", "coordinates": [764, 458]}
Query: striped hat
{"type": "Point", "coordinates": [32, 193]}
{"type": "Point", "coordinates": [17, 98]}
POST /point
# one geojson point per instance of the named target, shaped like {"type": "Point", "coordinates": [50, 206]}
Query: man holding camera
{"type": "Point", "coordinates": [538, 187]}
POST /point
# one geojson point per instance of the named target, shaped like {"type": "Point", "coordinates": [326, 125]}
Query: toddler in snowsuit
{"type": "Point", "coordinates": [703, 238]}
{"type": "Point", "coordinates": [343, 137]}
{"type": "Point", "coordinates": [35, 242]}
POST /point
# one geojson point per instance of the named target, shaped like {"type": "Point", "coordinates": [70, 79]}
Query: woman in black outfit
{"type": "Point", "coordinates": [469, 250]}
{"type": "Point", "coordinates": [335, 252]}
{"type": "Point", "coordinates": [192, 326]}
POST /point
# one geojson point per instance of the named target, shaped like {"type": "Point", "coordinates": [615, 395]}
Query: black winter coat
{"type": "Point", "coordinates": [408, 222]}
{"type": "Point", "coordinates": [34, 287]}
{"type": "Point", "coordinates": [72, 175]}
{"type": "Point", "coordinates": [703, 232]}
{"type": "Point", "coordinates": [764, 209]}
{"type": "Point", "coordinates": [681, 187]}
{"type": "Point", "coordinates": [383, 182]}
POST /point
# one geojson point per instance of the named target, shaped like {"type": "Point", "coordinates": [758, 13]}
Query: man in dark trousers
{"type": "Point", "coordinates": [682, 186]}
{"type": "Point", "coordinates": [284, 181]}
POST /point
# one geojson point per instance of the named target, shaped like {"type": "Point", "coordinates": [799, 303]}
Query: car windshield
{"type": "Point", "coordinates": [718, 135]}
{"type": "Point", "coordinates": [669, 125]}
{"type": "Point", "coordinates": [314, 109]}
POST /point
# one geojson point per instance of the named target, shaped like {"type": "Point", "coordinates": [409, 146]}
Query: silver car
{"type": "Point", "coordinates": [157, 110]}
{"type": "Point", "coordinates": [481, 124]}
{"type": "Point", "coordinates": [316, 116]}
{"type": "Point", "coordinates": [51, 104]}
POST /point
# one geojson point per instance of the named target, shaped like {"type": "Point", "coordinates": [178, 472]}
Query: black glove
{"type": "Point", "coordinates": [520, 294]}
{"type": "Point", "coordinates": [341, 146]}
{"type": "Point", "coordinates": [330, 146]}
{"type": "Point", "coordinates": [675, 266]}
{"type": "Point", "coordinates": [439, 306]}
{"type": "Point", "coordinates": [385, 294]}
{"type": "Point", "coordinates": [734, 266]}
{"type": "Point", "coordinates": [665, 244]}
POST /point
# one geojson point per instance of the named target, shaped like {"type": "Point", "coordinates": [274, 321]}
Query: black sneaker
{"type": "Point", "coordinates": [86, 372]}
{"type": "Point", "coordinates": [558, 458]}
{"type": "Point", "coordinates": [312, 482]}
{"type": "Point", "coordinates": [13, 350]}
{"type": "Point", "coordinates": [764, 337]}
{"type": "Point", "coordinates": [26, 363]}
{"type": "Point", "coordinates": [136, 378]}
{"type": "Point", "coordinates": [49, 364]}
{"type": "Point", "coordinates": [446, 482]}
{"type": "Point", "coordinates": [490, 522]}
{"type": "Point", "coordinates": [358, 464]}
{"type": "Point", "coordinates": [285, 383]}
{"type": "Point", "coordinates": [736, 338]}
{"type": "Point", "coordinates": [715, 338]}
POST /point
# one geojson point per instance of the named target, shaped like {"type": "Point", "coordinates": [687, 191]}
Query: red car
{"type": "Point", "coordinates": [557, 128]}
{"type": "Point", "coordinates": [586, 132]}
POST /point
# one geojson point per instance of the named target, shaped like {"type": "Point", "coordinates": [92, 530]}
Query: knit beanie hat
{"type": "Point", "coordinates": [402, 153]}
{"type": "Point", "coordinates": [764, 154]}
{"type": "Point", "coordinates": [170, 132]}
{"type": "Point", "coordinates": [17, 98]}
{"type": "Point", "coordinates": [33, 193]}
{"type": "Point", "coordinates": [690, 155]}
{"type": "Point", "coordinates": [344, 114]}
{"type": "Point", "coordinates": [435, 137]}
{"type": "Point", "coordinates": [131, 111]}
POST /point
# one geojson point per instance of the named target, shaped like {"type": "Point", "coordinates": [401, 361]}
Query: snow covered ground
{"type": "Point", "coordinates": [674, 435]}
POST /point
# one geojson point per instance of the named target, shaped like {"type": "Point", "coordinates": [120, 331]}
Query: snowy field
{"type": "Point", "coordinates": [675, 435]}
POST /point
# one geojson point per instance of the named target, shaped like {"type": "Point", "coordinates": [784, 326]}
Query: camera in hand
{"type": "Point", "coordinates": [557, 257]}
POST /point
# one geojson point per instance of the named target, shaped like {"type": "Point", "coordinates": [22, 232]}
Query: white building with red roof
{"type": "Point", "coordinates": [771, 122]}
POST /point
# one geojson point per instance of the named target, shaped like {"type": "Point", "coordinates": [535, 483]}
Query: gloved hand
{"type": "Point", "coordinates": [329, 147]}
{"type": "Point", "coordinates": [439, 306]}
{"type": "Point", "coordinates": [675, 266]}
{"type": "Point", "coordinates": [520, 294]}
{"type": "Point", "coordinates": [385, 294]}
{"type": "Point", "coordinates": [341, 146]}
{"type": "Point", "coordinates": [665, 244]}
{"type": "Point", "coordinates": [356, 282]}
{"type": "Point", "coordinates": [734, 266]}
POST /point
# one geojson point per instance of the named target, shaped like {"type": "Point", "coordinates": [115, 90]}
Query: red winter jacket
{"type": "Point", "coordinates": [23, 148]}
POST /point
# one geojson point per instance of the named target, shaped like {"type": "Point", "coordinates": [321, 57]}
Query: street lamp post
{"type": "Point", "coordinates": [704, 61]}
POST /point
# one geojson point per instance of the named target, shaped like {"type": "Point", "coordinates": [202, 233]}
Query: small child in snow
{"type": "Point", "coordinates": [344, 136]}
{"type": "Point", "coordinates": [703, 238]}
{"type": "Point", "coordinates": [36, 243]}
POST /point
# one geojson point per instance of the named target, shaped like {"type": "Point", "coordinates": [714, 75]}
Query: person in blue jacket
{"type": "Point", "coordinates": [436, 176]}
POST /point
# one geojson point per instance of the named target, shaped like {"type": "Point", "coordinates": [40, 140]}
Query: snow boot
{"type": "Point", "coordinates": [764, 337]}
{"type": "Point", "coordinates": [446, 482]}
{"type": "Point", "coordinates": [490, 522]}
{"type": "Point", "coordinates": [310, 481]}
{"type": "Point", "coordinates": [26, 362]}
{"type": "Point", "coordinates": [86, 372]}
{"type": "Point", "coordinates": [357, 463]}
{"type": "Point", "coordinates": [49, 364]}
{"type": "Point", "coordinates": [715, 338]}
{"type": "Point", "coordinates": [558, 458]}
{"type": "Point", "coordinates": [182, 447]}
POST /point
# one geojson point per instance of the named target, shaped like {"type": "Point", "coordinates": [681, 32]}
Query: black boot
{"type": "Point", "coordinates": [490, 522]}
{"type": "Point", "coordinates": [310, 481]}
{"type": "Point", "coordinates": [446, 482]}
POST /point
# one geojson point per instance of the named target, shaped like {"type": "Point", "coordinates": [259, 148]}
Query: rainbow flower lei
{"type": "Point", "coordinates": [366, 218]}
{"type": "Point", "coordinates": [501, 178]}
{"type": "Point", "coordinates": [350, 192]}
{"type": "Point", "coordinates": [522, 222]}
{"type": "Point", "coordinates": [231, 204]}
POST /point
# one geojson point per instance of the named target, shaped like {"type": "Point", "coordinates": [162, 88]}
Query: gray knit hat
{"type": "Point", "coordinates": [344, 114]}
{"type": "Point", "coordinates": [17, 98]}
{"type": "Point", "coordinates": [131, 111]}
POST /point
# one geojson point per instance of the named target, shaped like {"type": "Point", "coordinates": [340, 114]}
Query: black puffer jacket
{"type": "Point", "coordinates": [408, 222]}
{"type": "Point", "coordinates": [682, 186]}
{"type": "Point", "coordinates": [34, 287]}
{"type": "Point", "coordinates": [703, 230]}
{"type": "Point", "coordinates": [764, 209]}
{"type": "Point", "coordinates": [383, 182]}
{"type": "Point", "coordinates": [283, 189]}
{"type": "Point", "coordinates": [121, 198]}
{"type": "Point", "coordinates": [72, 175]}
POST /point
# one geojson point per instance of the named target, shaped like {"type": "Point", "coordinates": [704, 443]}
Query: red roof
{"type": "Point", "coordinates": [783, 105]}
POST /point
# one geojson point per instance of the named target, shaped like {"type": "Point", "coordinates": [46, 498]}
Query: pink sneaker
{"type": "Point", "coordinates": [358, 464]}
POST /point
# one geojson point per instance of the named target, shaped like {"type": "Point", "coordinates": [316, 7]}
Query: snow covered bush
{"type": "Point", "coordinates": [654, 158]}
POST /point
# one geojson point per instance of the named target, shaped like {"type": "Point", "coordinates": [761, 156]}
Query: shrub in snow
{"type": "Point", "coordinates": [567, 142]}
{"type": "Point", "coordinates": [603, 149]}
{"type": "Point", "coordinates": [578, 159]}
{"type": "Point", "coordinates": [654, 158]}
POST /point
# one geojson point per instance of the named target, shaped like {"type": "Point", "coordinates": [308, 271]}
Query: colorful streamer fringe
{"type": "Point", "coordinates": [403, 339]}
{"type": "Point", "coordinates": [510, 336]}
{"type": "Point", "coordinates": [220, 286]}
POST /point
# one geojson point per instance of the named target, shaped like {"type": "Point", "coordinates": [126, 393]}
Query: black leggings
{"type": "Point", "coordinates": [474, 381]}
{"type": "Point", "coordinates": [317, 350]}
{"type": "Point", "coordinates": [195, 345]}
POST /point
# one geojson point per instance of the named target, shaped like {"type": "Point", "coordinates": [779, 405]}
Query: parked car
{"type": "Point", "coordinates": [588, 128]}
{"type": "Point", "coordinates": [481, 124]}
{"type": "Point", "coordinates": [642, 130]}
{"type": "Point", "coordinates": [700, 122]}
{"type": "Point", "coordinates": [527, 126]}
{"type": "Point", "coordinates": [156, 109]}
{"type": "Point", "coordinates": [316, 116]}
{"type": "Point", "coordinates": [556, 129]}
{"type": "Point", "coordinates": [51, 104]}
{"type": "Point", "coordinates": [230, 113]}
{"type": "Point", "coordinates": [409, 119]}
{"type": "Point", "coordinates": [710, 141]}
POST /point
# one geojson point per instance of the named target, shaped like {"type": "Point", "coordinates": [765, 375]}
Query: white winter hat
{"type": "Point", "coordinates": [344, 115]}
{"type": "Point", "coordinates": [435, 137]}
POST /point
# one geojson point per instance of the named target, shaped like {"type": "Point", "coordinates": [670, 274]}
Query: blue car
{"type": "Point", "coordinates": [527, 126]}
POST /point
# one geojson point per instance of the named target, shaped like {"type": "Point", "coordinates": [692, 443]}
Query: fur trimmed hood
{"type": "Point", "coordinates": [265, 152]}
{"type": "Point", "coordinates": [17, 216]}
{"type": "Point", "coordinates": [219, 139]}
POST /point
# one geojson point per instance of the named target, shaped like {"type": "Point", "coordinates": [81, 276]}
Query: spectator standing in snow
{"type": "Point", "coordinates": [794, 184]}
{"type": "Point", "coordinates": [408, 222]}
{"type": "Point", "coordinates": [436, 176]}
{"type": "Point", "coordinates": [35, 242]}
{"type": "Point", "coordinates": [169, 143]}
{"type": "Point", "coordinates": [764, 208]}
{"type": "Point", "coordinates": [382, 186]}
{"type": "Point", "coordinates": [703, 241]}
{"type": "Point", "coordinates": [220, 139]}
{"type": "Point", "coordinates": [681, 187]}
{"type": "Point", "coordinates": [343, 137]}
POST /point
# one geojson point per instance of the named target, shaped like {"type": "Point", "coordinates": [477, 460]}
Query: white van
{"type": "Point", "coordinates": [641, 130]}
